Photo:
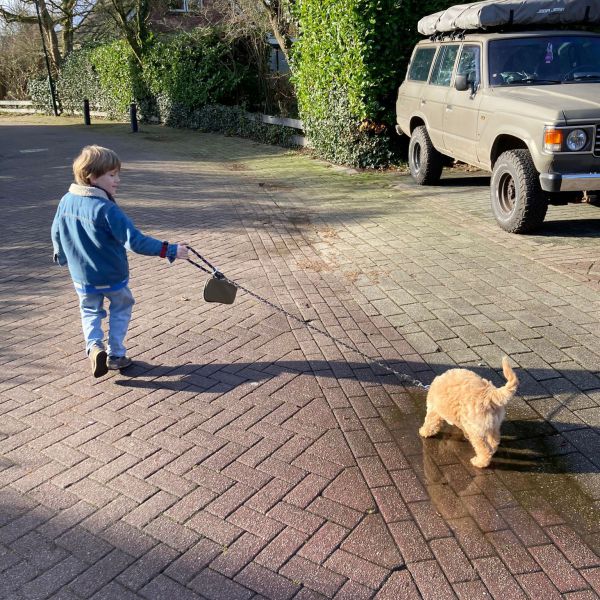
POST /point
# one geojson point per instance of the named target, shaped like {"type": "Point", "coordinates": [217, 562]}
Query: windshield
{"type": "Point", "coordinates": [544, 60]}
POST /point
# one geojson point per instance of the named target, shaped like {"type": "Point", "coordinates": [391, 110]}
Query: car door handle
{"type": "Point", "coordinates": [449, 107]}
{"type": "Point", "coordinates": [423, 102]}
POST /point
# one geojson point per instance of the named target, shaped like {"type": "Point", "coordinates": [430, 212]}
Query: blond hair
{"type": "Point", "coordinates": [94, 161]}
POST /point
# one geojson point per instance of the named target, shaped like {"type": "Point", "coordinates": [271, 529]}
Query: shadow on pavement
{"type": "Point", "coordinates": [539, 466]}
{"type": "Point", "coordinates": [536, 382]}
{"type": "Point", "coordinates": [528, 437]}
{"type": "Point", "coordinates": [588, 228]}
{"type": "Point", "coordinates": [465, 181]}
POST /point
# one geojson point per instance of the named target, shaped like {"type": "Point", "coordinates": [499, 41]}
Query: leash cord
{"type": "Point", "coordinates": [403, 377]}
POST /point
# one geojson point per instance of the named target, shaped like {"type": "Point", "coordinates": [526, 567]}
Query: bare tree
{"type": "Point", "coordinates": [58, 18]}
{"type": "Point", "coordinates": [250, 20]}
{"type": "Point", "coordinates": [18, 63]}
{"type": "Point", "coordinates": [273, 15]}
{"type": "Point", "coordinates": [131, 20]}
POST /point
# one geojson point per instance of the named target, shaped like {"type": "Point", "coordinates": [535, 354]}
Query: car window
{"type": "Point", "coordinates": [444, 65]}
{"type": "Point", "coordinates": [469, 64]}
{"type": "Point", "coordinates": [421, 64]}
{"type": "Point", "coordinates": [545, 60]}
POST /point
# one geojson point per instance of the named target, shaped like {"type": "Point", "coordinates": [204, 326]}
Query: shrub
{"type": "Point", "coordinates": [195, 68]}
{"type": "Point", "coordinates": [78, 80]}
{"type": "Point", "coordinates": [105, 75]}
{"type": "Point", "coordinates": [117, 74]}
{"type": "Point", "coordinates": [18, 63]}
{"type": "Point", "coordinates": [39, 92]}
{"type": "Point", "coordinates": [180, 73]}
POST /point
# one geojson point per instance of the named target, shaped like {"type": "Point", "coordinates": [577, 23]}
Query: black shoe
{"type": "Point", "coordinates": [116, 363]}
{"type": "Point", "coordinates": [98, 360]}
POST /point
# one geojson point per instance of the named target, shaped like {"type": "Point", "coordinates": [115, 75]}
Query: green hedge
{"type": "Point", "coordinates": [186, 71]}
{"type": "Point", "coordinates": [104, 75]}
{"type": "Point", "coordinates": [348, 63]}
{"type": "Point", "coordinates": [187, 80]}
{"type": "Point", "coordinates": [198, 68]}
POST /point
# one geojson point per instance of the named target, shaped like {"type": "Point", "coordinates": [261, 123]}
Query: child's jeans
{"type": "Point", "coordinates": [92, 313]}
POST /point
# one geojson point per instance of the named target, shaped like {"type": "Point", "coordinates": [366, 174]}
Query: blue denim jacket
{"type": "Point", "coordinates": [91, 234]}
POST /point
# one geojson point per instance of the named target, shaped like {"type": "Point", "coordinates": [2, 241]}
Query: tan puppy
{"type": "Point", "coordinates": [463, 398]}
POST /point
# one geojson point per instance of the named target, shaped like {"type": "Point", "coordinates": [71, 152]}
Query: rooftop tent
{"type": "Point", "coordinates": [504, 13]}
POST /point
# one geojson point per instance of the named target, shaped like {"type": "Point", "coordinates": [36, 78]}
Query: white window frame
{"type": "Point", "coordinates": [186, 6]}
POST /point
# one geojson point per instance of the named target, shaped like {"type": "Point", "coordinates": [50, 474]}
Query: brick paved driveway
{"type": "Point", "coordinates": [246, 458]}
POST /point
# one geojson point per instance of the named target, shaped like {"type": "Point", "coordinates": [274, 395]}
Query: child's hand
{"type": "Point", "coordinates": [182, 251]}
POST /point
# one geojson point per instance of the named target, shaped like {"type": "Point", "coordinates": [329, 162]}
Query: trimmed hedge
{"type": "Point", "coordinates": [198, 68]}
{"type": "Point", "coordinates": [184, 83]}
{"type": "Point", "coordinates": [348, 63]}
{"type": "Point", "coordinates": [187, 70]}
{"type": "Point", "coordinates": [104, 75]}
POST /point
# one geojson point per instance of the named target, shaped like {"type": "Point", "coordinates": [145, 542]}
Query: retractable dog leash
{"type": "Point", "coordinates": [220, 288]}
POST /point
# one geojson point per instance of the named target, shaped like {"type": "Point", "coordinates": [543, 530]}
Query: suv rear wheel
{"type": "Point", "coordinates": [424, 160]}
{"type": "Point", "coordinates": [518, 202]}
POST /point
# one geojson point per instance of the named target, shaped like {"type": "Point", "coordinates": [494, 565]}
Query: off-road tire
{"type": "Point", "coordinates": [424, 160]}
{"type": "Point", "coordinates": [518, 202]}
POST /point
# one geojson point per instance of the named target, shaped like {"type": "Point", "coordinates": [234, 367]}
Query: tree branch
{"type": "Point", "coordinates": [11, 17]}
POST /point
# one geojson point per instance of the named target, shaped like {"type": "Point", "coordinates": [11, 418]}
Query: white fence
{"type": "Point", "coordinates": [17, 106]}
{"type": "Point", "coordinates": [300, 140]}
{"type": "Point", "coordinates": [26, 106]}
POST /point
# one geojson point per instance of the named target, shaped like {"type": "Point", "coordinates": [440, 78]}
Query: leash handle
{"type": "Point", "coordinates": [216, 271]}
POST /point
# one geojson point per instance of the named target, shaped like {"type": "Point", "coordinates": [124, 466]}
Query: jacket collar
{"type": "Point", "coordinates": [88, 190]}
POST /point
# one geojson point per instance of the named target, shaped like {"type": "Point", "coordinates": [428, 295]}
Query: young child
{"type": "Point", "coordinates": [91, 234]}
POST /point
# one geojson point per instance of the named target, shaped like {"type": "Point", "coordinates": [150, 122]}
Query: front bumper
{"type": "Point", "coordinates": [570, 182]}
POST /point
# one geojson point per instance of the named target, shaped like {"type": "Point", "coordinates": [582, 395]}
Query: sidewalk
{"type": "Point", "coordinates": [246, 458]}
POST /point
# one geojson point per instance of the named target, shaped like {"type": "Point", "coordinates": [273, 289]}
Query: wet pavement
{"type": "Point", "coordinates": [246, 456]}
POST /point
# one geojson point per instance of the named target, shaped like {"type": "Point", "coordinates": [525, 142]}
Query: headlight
{"type": "Point", "coordinates": [576, 140]}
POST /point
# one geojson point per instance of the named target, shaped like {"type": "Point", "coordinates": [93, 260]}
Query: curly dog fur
{"type": "Point", "coordinates": [463, 398]}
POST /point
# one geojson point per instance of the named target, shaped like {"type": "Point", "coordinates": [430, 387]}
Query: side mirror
{"type": "Point", "coordinates": [461, 83]}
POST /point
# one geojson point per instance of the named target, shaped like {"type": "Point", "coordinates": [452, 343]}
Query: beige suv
{"type": "Point", "coordinates": [523, 105]}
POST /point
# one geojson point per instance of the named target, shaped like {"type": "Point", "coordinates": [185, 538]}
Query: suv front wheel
{"type": "Point", "coordinates": [424, 160]}
{"type": "Point", "coordinates": [518, 202]}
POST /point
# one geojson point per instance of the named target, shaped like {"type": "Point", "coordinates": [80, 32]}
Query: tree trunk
{"type": "Point", "coordinates": [280, 26]}
{"type": "Point", "coordinates": [51, 37]}
{"type": "Point", "coordinates": [282, 39]}
{"type": "Point", "coordinates": [68, 27]}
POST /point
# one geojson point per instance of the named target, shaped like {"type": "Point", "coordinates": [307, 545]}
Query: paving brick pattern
{"type": "Point", "coordinates": [246, 457]}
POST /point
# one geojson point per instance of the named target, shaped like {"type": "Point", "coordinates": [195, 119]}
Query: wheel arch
{"type": "Point", "coordinates": [503, 143]}
{"type": "Point", "coordinates": [415, 122]}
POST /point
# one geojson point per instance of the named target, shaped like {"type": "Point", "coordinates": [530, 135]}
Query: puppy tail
{"type": "Point", "coordinates": [502, 395]}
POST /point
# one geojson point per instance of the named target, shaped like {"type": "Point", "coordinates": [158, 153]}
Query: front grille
{"type": "Point", "coordinates": [597, 141]}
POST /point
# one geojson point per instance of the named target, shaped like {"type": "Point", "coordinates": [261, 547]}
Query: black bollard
{"type": "Point", "coordinates": [86, 112]}
{"type": "Point", "coordinates": [133, 117]}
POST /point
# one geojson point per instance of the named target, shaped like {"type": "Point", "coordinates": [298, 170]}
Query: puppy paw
{"type": "Point", "coordinates": [480, 462]}
{"type": "Point", "coordinates": [423, 432]}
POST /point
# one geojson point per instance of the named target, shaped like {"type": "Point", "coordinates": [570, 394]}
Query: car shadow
{"type": "Point", "coordinates": [588, 228]}
{"type": "Point", "coordinates": [465, 181]}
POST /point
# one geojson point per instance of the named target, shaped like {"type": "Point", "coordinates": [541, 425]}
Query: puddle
{"type": "Point", "coordinates": [532, 468]}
